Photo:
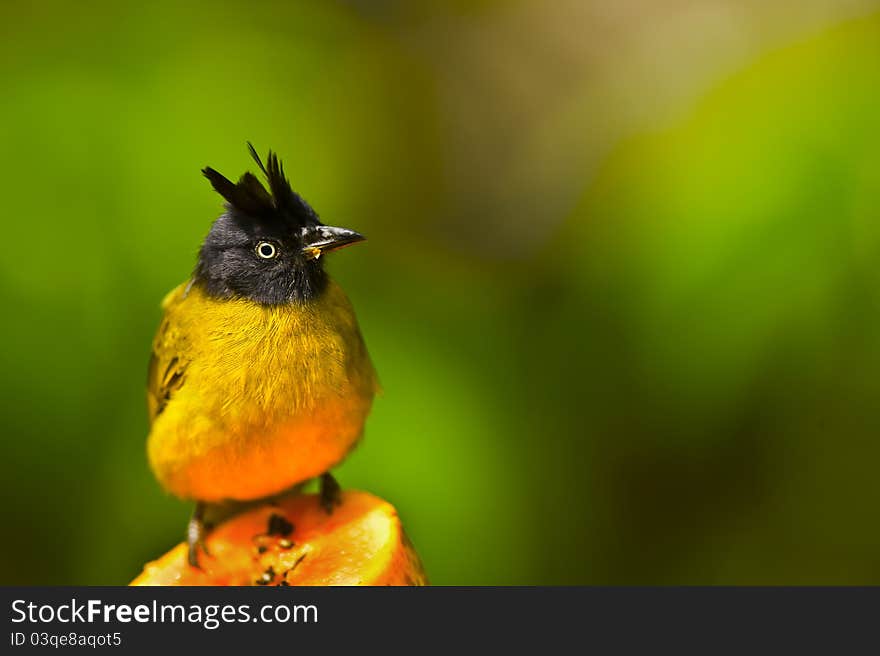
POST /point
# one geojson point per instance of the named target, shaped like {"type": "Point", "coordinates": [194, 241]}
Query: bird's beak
{"type": "Point", "coordinates": [318, 240]}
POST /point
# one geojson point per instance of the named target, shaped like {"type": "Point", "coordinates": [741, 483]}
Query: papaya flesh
{"type": "Point", "coordinates": [294, 541]}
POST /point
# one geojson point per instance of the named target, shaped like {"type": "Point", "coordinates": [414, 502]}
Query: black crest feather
{"type": "Point", "coordinates": [249, 197]}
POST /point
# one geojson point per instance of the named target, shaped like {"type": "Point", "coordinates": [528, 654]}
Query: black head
{"type": "Point", "coordinates": [267, 246]}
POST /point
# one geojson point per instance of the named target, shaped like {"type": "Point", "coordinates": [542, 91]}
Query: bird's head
{"type": "Point", "coordinates": [269, 245]}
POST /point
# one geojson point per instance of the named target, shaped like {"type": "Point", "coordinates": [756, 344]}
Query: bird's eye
{"type": "Point", "coordinates": [266, 250]}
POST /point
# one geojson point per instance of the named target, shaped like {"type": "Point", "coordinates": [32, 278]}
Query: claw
{"type": "Point", "coordinates": [195, 536]}
{"type": "Point", "coordinates": [331, 493]}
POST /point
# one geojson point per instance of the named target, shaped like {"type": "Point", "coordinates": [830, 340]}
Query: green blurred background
{"type": "Point", "coordinates": [622, 285]}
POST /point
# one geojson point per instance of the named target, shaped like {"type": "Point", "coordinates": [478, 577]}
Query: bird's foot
{"type": "Point", "coordinates": [196, 531]}
{"type": "Point", "coordinates": [331, 493]}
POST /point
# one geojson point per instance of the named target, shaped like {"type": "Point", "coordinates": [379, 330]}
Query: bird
{"type": "Point", "coordinates": [259, 378]}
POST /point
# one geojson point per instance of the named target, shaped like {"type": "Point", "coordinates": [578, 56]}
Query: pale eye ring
{"type": "Point", "coordinates": [266, 250]}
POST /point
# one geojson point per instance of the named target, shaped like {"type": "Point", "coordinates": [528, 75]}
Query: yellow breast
{"type": "Point", "coordinates": [248, 399]}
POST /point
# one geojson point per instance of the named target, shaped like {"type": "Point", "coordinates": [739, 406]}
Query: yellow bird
{"type": "Point", "coordinates": [259, 378]}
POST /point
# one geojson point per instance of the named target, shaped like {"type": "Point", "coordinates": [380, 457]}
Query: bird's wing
{"type": "Point", "coordinates": [168, 361]}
